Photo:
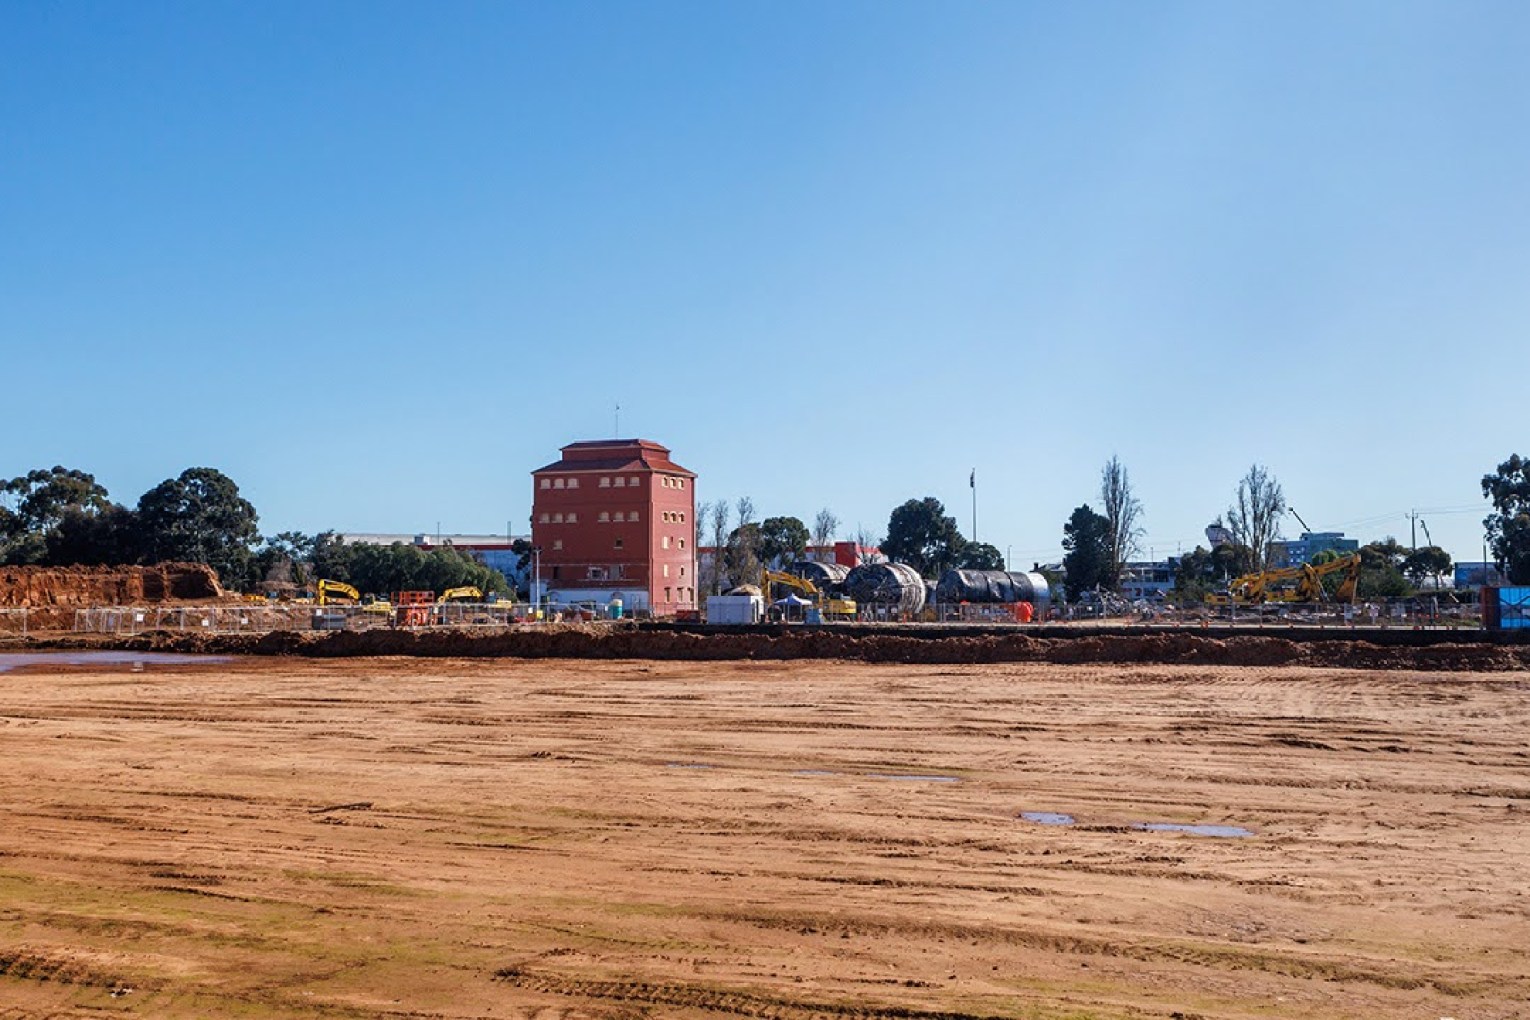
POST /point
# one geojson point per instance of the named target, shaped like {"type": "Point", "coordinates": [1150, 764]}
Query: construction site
{"type": "Point", "coordinates": [226, 808]}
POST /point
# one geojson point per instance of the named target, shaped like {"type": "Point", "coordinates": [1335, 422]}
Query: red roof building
{"type": "Point", "coordinates": [616, 517]}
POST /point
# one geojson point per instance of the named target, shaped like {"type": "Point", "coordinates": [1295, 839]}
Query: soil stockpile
{"type": "Point", "coordinates": [353, 839]}
{"type": "Point", "coordinates": [82, 587]}
{"type": "Point", "coordinates": [556, 642]}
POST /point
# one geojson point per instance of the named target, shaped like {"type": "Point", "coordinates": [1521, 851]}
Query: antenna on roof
{"type": "Point", "coordinates": [617, 433]}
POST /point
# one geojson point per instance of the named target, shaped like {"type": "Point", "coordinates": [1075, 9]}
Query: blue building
{"type": "Point", "coordinates": [1291, 552]}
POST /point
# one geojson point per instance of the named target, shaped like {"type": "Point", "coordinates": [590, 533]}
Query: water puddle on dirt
{"type": "Point", "coordinates": [686, 765]}
{"type": "Point", "coordinates": [1047, 817]}
{"type": "Point", "coordinates": [914, 779]}
{"type": "Point", "coordinates": [1222, 831]}
{"type": "Point", "coordinates": [814, 772]}
{"type": "Point", "coordinates": [103, 657]}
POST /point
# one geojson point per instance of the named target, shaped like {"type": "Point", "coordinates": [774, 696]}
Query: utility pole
{"type": "Point", "coordinates": [1413, 530]}
{"type": "Point", "coordinates": [617, 423]}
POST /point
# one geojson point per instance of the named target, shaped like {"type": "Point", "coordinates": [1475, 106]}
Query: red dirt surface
{"type": "Point", "coordinates": [453, 839]}
{"type": "Point", "coordinates": [847, 643]}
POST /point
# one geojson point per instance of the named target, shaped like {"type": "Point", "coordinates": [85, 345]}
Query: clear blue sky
{"type": "Point", "coordinates": [379, 261]}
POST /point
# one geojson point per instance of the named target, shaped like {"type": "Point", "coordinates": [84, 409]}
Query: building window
{"type": "Point", "coordinates": [573, 483]}
{"type": "Point", "coordinates": [596, 574]}
{"type": "Point", "coordinates": [543, 519]}
{"type": "Point", "coordinates": [666, 570]}
{"type": "Point", "coordinates": [557, 483]}
{"type": "Point", "coordinates": [557, 518]}
{"type": "Point", "coordinates": [618, 517]}
{"type": "Point", "coordinates": [605, 482]}
{"type": "Point", "coordinates": [666, 595]}
{"type": "Point", "coordinates": [632, 516]}
{"type": "Point", "coordinates": [618, 543]}
{"type": "Point", "coordinates": [604, 517]}
{"type": "Point", "coordinates": [573, 518]}
{"type": "Point", "coordinates": [682, 516]}
{"type": "Point", "coordinates": [621, 483]}
{"type": "Point", "coordinates": [682, 543]}
{"type": "Point", "coordinates": [632, 482]}
{"type": "Point", "coordinates": [557, 547]}
{"type": "Point", "coordinates": [547, 483]}
{"type": "Point", "coordinates": [664, 542]}
{"type": "Point", "coordinates": [682, 571]}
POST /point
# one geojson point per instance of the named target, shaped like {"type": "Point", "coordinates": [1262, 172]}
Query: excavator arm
{"type": "Point", "coordinates": [328, 588]}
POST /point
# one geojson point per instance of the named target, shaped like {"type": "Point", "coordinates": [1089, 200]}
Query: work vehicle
{"type": "Point", "coordinates": [1310, 588]}
{"type": "Point", "coordinates": [830, 606]}
{"type": "Point", "coordinates": [467, 592]}
{"type": "Point", "coordinates": [327, 589]}
{"type": "Point", "coordinates": [1301, 583]}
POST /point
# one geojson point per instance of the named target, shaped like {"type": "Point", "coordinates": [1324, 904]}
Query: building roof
{"type": "Point", "coordinates": [615, 455]}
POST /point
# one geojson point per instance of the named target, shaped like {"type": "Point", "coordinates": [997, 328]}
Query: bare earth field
{"type": "Point", "coordinates": [561, 839]}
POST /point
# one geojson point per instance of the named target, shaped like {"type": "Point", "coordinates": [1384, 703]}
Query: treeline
{"type": "Point", "coordinates": [63, 517]}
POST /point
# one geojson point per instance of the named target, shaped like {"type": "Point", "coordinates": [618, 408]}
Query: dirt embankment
{"type": "Point", "coordinates": [52, 594]}
{"type": "Point", "coordinates": [847, 644]}
{"type": "Point", "coordinates": [79, 587]}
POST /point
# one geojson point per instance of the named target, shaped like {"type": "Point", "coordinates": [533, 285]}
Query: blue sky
{"type": "Point", "coordinates": [379, 261]}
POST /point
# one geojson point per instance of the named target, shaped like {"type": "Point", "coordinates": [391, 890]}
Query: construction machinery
{"type": "Point", "coordinates": [467, 592]}
{"type": "Point", "coordinates": [830, 606]}
{"type": "Point", "coordinates": [1310, 587]}
{"type": "Point", "coordinates": [328, 589]}
{"type": "Point", "coordinates": [1301, 583]}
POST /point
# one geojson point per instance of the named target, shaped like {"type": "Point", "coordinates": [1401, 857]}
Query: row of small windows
{"type": "Point", "coordinates": [629, 517]}
{"type": "Point", "coordinates": [560, 483]}
{"type": "Point", "coordinates": [664, 542]}
{"type": "Point", "coordinates": [673, 481]}
{"type": "Point", "coordinates": [620, 482]}
{"type": "Point", "coordinates": [609, 482]}
{"type": "Point", "coordinates": [674, 517]}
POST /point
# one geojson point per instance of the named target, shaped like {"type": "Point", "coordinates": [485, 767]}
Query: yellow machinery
{"type": "Point", "coordinates": [830, 606]}
{"type": "Point", "coordinates": [468, 592]}
{"type": "Point", "coordinates": [329, 588]}
{"type": "Point", "coordinates": [1301, 583]}
{"type": "Point", "coordinates": [1310, 588]}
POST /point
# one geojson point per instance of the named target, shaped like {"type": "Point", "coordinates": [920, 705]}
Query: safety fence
{"type": "Point", "coordinates": [259, 619]}
{"type": "Point", "coordinates": [14, 621]}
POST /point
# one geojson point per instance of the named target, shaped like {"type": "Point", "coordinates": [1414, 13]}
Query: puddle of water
{"type": "Point", "coordinates": [685, 765]}
{"type": "Point", "coordinates": [814, 772]}
{"type": "Point", "coordinates": [1047, 817]}
{"type": "Point", "coordinates": [1224, 831]}
{"type": "Point", "coordinates": [915, 779]}
{"type": "Point", "coordinates": [102, 657]}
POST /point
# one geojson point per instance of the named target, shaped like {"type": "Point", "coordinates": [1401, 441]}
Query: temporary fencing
{"type": "Point", "coordinates": [13, 621]}
{"type": "Point", "coordinates": [257, 619]}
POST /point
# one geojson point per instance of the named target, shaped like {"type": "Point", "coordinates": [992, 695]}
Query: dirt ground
{"type": "Point", "coordinates": [619, 839]}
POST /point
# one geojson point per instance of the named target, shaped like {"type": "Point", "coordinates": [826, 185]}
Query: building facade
{"type": "Point", "coordinates": [1291, 552]}
{"type": "Point", "coordinates": [616, 518]}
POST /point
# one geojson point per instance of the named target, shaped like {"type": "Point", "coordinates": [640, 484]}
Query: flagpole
{"type": "Point", "coordinates": [972, 481]}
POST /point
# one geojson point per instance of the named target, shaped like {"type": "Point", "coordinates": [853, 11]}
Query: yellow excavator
{"type": "Point", "coordinates": [1301, 583]}
{"type": "Point", "coordinates": [327, 589]}
{"type": "Point", "coordinates": [832, 607]}
{"type": "Point", "coordinates": [1310, 588]}
{"type": "Point", "coordinates": [467, 592]}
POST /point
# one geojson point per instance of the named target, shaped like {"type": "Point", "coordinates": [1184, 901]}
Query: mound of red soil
{"type": "Point", "coordinates": [79, 587]}
{"type": "Point", "coordinates": [576, 642]}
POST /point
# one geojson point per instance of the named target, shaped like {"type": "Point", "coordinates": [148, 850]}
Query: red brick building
{"type": "Point", "coordinates": [616, 517]}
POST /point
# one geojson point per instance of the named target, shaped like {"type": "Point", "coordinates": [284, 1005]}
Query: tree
{"type": "Point", "coordinates": [1430, 561]}
{"type": "Point", "coordinates": [104, 538]}
{"type": "Point", "coordinates": [36, 504]}
{"type": "Point", "coordinates": [824, 527]}
{"type": "Point", "coordinates": [718, 520]}
{"type": "Point", "coordinates": [199, 516]}
{"type": "Point", "coordinates": [782, 539]}
{"type": "Point", "coordinates": [1122, 511]}
{"type": "Point", "coordinates": [1381, 569]}
{"type": "Point", "coordinates": [1508, 528]}
{"type": "Point", "coordinates": [980, 556]}
{"type": "Point", "coordinates": [1086, 537]}
{"type": "Point", "coordinates": [921, 535]}
{"type": "Point", "coordinates": [866, 539]}
{"type": "Point", "coordinates": [1254, 517]}
{"type": "Point", "coordinates": [743, 549]}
